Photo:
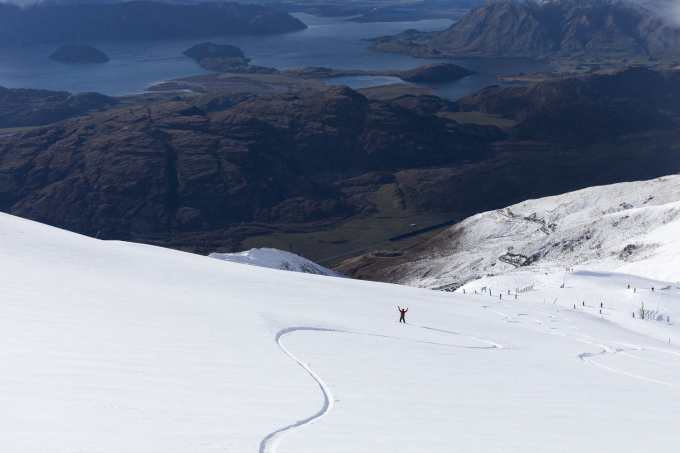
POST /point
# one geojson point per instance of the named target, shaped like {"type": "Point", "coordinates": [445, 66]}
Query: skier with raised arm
{"type": "Point", "coordinates": [402, 314]}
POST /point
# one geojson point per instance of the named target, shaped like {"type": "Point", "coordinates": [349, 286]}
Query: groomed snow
{"type": "Point", "coordinates": [112, 347]}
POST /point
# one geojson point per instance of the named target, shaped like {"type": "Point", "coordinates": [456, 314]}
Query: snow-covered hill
{"type": "Point", "coordinates": [114, 347]}
{"type": "Point", "coordinates": [631, 228]}
{"type": "Point", "coordinates": [275, 259]}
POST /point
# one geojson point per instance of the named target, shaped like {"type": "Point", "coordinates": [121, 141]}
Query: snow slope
{"type": "Point", "coordinates": [118, 347]}
{"type": "Point", "coordinates": [631, 228]}
{"type": "Point", "coordinates": [275, 259]}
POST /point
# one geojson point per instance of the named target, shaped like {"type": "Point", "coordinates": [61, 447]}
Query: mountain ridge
{"type": "Point", "coordinates": [617, 228]}
{"type": "Point", "coordinates": [237, 171]}
{"type": "Point", "coordinates": [136, 20]}
{"type": "Point", "coordinates": [557, 29]}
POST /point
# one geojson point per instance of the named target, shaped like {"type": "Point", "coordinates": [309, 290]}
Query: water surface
{"type": "Point", "coordinates": [332, 42]}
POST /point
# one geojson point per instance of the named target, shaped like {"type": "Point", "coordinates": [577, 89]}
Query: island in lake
{"type": "Point", "coordinates": [79, 55]}
{"type": "Point", "coordinates": [226, 58]}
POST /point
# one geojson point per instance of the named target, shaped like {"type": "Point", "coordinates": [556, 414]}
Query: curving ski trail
{"type": "Point", "coordinates": [271, 442]}
{"type": "Point", "coordinates": [589, 357]}
{"type": "Point", "coordinates": [492, 344]}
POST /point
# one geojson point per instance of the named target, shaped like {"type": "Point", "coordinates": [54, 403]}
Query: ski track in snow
{"type": "Point", "coordinates": [270, 443]}
{"type": "Point", "coordinates": [493, 344]}
{"type": "Point", "coordinates": [588, 357]}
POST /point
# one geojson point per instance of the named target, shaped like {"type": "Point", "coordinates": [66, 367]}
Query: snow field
{"type": "Point", "coordinates": [117, 347]}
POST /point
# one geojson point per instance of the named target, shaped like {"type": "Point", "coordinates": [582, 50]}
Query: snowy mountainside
{"type": "Point", "coordinates": [113, 347]}
{"type": "Point", "coordinates": [275, 259]}
{"type": "Point", "coordinates": [618, 228]}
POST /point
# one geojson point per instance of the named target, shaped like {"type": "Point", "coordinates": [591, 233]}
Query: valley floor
{"type": "Point", "coordinates": [119, 347]}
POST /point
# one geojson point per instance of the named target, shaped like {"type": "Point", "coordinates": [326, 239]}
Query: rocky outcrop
{"type": "Point", "coordinates": [25, 107]}
{"type": "Point", "coordinates": [79, 55]}
{"type": "Point", "coordinates": [47, 22]}
{"type": "Point", "coordinates": [548, 29]}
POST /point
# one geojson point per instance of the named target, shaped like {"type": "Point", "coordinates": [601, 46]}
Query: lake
{"type": "Point", "coordinates": [332, 42]}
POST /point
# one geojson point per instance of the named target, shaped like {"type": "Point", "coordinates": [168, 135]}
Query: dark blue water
{"type": "Point", "coordinates": [329, 42]}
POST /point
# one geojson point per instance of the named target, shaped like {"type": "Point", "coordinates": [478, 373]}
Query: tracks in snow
{"type": "Point", "coordinates": [588, 357]}
{"type": "Point", "coordinates": [604, 350]}
{"type": "Point", "coordinates": [270, 443]}
{"type": "Point", "coordinates": [492, 344]}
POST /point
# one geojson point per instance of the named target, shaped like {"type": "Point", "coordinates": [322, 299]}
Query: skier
{"type": "Point", "coordinates": [402, 314]}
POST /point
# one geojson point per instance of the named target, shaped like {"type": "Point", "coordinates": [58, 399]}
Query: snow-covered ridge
{"type": "Point", "coordinates": [631, 228]}
{"type": "Point", "coordinates": [275, 259]}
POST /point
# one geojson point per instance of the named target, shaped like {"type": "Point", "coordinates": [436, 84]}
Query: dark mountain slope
{"type": "Point", "coordinates": [20, 107]}
{"type": "Point", "coordinates": [585, 109]}
{"type": "Point", "coordinates": [206, 174]}
{"type": "Point", "coordinates": [551, 29]}
{"type": "Point", "coordinates": [570, 134]}
{"type": "Point", "coordinates": [85, 22]}
{"type": "Point", "coordinates": [145, 172]}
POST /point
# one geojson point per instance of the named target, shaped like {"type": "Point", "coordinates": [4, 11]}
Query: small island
{"type": "Point", "coordinates": [224, 58]}
{"type": "Point", "coordinates": [434, 73]}
{"type": "Point", "coordinates": [212, 50]}
{"type": "Point", "coordinates": [427, 74]}
{"type": "Point", "coordinates": [79, 55]}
